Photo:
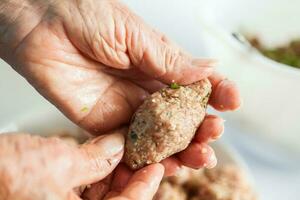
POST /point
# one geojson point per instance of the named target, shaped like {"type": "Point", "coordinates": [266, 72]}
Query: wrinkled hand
{"type": "Point", "coordinates": [36, 168]}
{"type": "Point", "coordinates": [96, 61]}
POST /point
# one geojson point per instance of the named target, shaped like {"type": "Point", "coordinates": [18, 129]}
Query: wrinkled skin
{"type": "Point", "coordinates": [28, 169]}
{"type": "Point", "coordinates": [96, 61]}
{"type": "Point", "coordinates": [166, 123]}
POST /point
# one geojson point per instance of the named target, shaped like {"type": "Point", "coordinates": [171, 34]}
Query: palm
{"type": "Point", "coordinates": [75, 83]}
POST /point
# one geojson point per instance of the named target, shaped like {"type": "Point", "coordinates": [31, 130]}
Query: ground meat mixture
{"type": "Point", "coordinates": [166, 123]}
{"type": "Point", "coordinates": [226, 183]}
{"type": "Point", "coordinates": [167, 191]}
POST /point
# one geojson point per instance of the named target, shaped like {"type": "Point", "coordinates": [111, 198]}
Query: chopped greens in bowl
{"type": "Point", "coordinates": [288, 54]}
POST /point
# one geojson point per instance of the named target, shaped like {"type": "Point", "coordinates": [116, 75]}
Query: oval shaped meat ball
{"type": "Point", "coordinates": [166, 123]}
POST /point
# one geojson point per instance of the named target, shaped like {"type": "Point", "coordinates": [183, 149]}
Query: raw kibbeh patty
{"type": "Point", "coordinates": [166, 123]}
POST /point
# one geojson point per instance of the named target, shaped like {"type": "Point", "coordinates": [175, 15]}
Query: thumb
{"type": "Point", "coordinates": [99, 157]}
{"type": "Point", "coordinates": [169, 63]}
{"type": "Point", "coordinates": [123, 39]}
{"type": "Point", "coordinates": [157, 56]}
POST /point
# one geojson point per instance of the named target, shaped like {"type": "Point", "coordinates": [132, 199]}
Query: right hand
{"type": "Point", "coordinates": [35, 168]}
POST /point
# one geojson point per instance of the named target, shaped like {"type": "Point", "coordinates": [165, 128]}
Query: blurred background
{"type": "Point", "coordinates": [266, 130]}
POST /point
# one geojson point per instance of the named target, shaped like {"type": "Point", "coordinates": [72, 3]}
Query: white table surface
{"type": "Point", "coordinates": [177, 18]}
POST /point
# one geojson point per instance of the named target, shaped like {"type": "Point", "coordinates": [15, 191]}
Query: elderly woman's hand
{"type": "Point", "coordinates": [37, 168]}
{"type": "Point", "coordinates": [96, 61]}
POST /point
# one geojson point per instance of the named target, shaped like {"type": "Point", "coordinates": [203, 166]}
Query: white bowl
{"type": "Point", "coordinates": [270, 90]}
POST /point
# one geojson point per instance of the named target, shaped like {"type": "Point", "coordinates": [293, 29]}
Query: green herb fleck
{"type": "Point", "coordinates": [174, 86]}
{"type": "Point", "coordinates": [133, 136]}
{"type": "Point", "coordinates": [84, 109]}
{"type": "Point", "coordinates": [169, 114]}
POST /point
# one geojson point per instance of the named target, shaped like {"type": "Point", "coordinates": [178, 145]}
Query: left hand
{"type": "Point", "coordinates": [37, 168]}
{"type": "Point", "coordinates": [124, 184]}
{"type": "Point", "coordinates": [96, 61]}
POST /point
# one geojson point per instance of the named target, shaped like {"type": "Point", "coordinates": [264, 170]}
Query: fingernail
{"type": "Point", "coordinates": [159, 172]}
{"type": "Point", "coordinates": [215, 138]}
{"type": "Point", "coordinates": [212, 162]}
{"type": "Point", "coordinates": [227, 95]}
{"type": "Point", "coordinates": [231, 91]}
{"type": "Point", "coordinates": [204, 150]}
{"type": "Point", "coordinates": [241, 103]}
{"type": "Point", "coordinates": [219, 135]}
{"type": "Point", "coordinates": [227, 83]}
{"type": "Point", "coordinates": [110, 144]}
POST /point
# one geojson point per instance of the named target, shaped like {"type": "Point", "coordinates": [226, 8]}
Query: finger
{"type": "Point", "coordinates": [114, 106]}
{"type": "Point", "coordinates": [225, 94]}
{"type": "Point", "coordinates": [121, 177]}
{"type": "Point", "coordinates": [138, 77]}
{"type": "Point", "coordinates": [211, 129]}
{"type": "Point", "coordinates": [125, 39]}
{"type": "Point", "coordinates": [120, 180]}
{"type": "Point", "coordinates": [98, 190]}
{"type": "Point", "coordinates": [164, 61]}
{"type": "Point", "coordinates": [143, 184]}
{"type": "Point", "coordinates": [73, 196]}
{"type": "Point", "coordinates": [198, 155]}
{"type": "Point", "coordinates": [156, 56]}
{"type": "Point", "coordinates": [166, 64]}
{"type": "Point", "coordinates": [99, 157]}
{"type": "Point", "coordinates": [172, 165]}
{"type": "Point", "coordinates": [131, 73]}
{"type": "Point", "coordinates": [165, 39]}
{"type": "Point", "coordinates": [151, 86]}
